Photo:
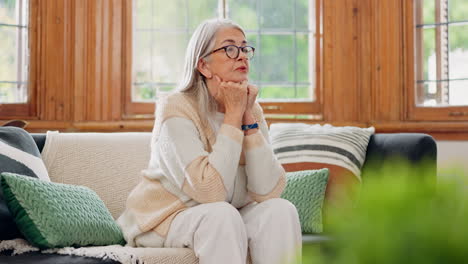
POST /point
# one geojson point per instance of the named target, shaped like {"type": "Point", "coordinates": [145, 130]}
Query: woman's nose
{"type": "Point", "coordinates": [242, 56]}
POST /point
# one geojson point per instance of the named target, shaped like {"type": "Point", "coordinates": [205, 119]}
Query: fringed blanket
{"type": "Point", "coordinates": [125, 255]}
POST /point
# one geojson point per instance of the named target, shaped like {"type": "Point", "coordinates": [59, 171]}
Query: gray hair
{"type": "Point", "coordinates": [200, 45]}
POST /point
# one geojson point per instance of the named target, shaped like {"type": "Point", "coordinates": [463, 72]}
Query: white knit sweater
{"type": "Point", "coordinates": [191, 164]}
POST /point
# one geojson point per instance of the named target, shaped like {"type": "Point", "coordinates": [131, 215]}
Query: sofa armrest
{"type": "Point", "coordinates": [420, 150]}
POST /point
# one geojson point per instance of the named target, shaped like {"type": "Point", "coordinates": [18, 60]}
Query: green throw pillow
{"type": "Point", "coordinates": [306, 190]}
{"type": "Point", "coordinates": [59, 215]}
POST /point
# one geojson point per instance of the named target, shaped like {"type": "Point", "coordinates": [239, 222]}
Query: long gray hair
{"type": "Point", "coordinates": [201, 43]}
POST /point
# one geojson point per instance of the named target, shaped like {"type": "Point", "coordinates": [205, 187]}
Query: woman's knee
{"type": "Point", "coordinates": [222, 211]}
{"type": "Point", "coordinates": [279, 206]}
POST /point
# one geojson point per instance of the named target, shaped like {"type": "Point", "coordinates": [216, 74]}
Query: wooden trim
{"type": "Point", "coordinates": [135, 110]}
{"type": "Point", "coordinates": [455, 136]}
{"type": "Point", "coordinates": [440, 131]}
{"type": "Point", "coordinates": [14, 111]}
{"type": "Point", "coordinates": [88, 126]}
{"type": "Point", "coordinates": [317, 105]}
{"type": "Point", "coordinates": [414, 16]}
{"type": "Point", "coordinates": [35, 17]}
{"type": "Point", "coordinates": [131, 109]}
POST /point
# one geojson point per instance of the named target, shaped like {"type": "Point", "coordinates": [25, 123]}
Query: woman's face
{"type": "Point", "coordinates": [234, 70]}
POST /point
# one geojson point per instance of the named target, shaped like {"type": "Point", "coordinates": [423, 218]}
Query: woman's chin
{"type": "Point", "coordinates": [240, 77]}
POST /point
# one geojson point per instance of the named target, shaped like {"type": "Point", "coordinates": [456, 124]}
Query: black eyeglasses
{"type": "Point", "coordinates": [233, 51]}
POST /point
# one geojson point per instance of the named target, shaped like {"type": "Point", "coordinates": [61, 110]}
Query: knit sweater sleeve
{"type": "Point", "coordinates": [265, 175]}
{"type": "Point", "coordinates": [203, 176]}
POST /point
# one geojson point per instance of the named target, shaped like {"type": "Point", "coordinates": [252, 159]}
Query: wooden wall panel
{"type": "Point", "coordinates": [79, 63]}
{"type": "Point", "coordinates": [55, 74]}
{"type": "Point", "coordinates": [365, 60]}
{"type": "Point", "coordinates": [116, 60]}
{"type": "Point", "coordinates": [97, 82]}
{"type": "Point", "coordinates": [388, 82]}
{"type": "Point", "coordinates": [340, 60]}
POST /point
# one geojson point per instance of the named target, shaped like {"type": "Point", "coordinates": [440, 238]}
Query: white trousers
{"type": "Point", "coordinates": [219, 233]}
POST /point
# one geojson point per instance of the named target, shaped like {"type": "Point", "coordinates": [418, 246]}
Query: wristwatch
{"type": "Point", "coordinates": [251, 126]}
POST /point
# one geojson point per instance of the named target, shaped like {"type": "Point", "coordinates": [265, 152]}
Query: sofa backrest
{"type": "Point", "coordinates": [108, 163]}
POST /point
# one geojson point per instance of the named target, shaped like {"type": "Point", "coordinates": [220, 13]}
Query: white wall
{"type": "Point", "coordinates": [452, 158]}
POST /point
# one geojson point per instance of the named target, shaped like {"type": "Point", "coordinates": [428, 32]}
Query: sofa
{"type": "Point", "coordinates": [100, 161]}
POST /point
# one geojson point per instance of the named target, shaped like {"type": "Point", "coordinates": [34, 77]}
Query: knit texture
{"type": "Point", "coordinates": [59, 215]}
{"type": "Point", "coordinates": [108, 163]}
{"type": "Point", "coordinates": [306, 190]}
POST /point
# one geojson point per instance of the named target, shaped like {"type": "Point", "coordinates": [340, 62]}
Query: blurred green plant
{"type": "Point", "coordinates": [399, 218]}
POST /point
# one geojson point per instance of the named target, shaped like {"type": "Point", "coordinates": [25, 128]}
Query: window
{"type": "Point", "coordinates": [282, 31]}
{"type": "Point", "coordinates": [441, 58]}
{"type": "Point", "coordinates": [14, 55]}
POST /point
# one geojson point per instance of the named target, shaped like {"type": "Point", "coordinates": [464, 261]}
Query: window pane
{"type": "Point", "coordinates": [168, 56]}
{"type": "Point", "coordinates": [277, 92]}
{"type": "Point", "coordinates": [244, 12]}
{"type": "Point", "coordinates": [302, 14]}
{"type": "Point", "coordinates": [458, 10]}
{"type": "Point", "coordinates": [304, 92]}
{"type": "Point", "coordinates": [286, 92]}
{"type": "Point", "coordinates": [302, 57]}
{"type": "Point", "coordinates": [142, 51]}
{"type": "Point", "coordinates": [167, 14]}
{"type": "Point", "coordinates": [277, 58]}
{"type": "Point", "coordinates": [142, 14]}
{"type": "Point", "coordinates": [458, 57]}
{"type": "Point", "coordinates": [255, 61]}
{"type": "Point", "coordinates": [7, 12]}
{"type": "Point", "coordinates": [458, 93]}
{"type": "Point", "coordinates": [8, 56]}
{"type": "Point", "coordinates": [429, 54]}
{"type": "Point", "coordinates": [428, 95]}
{"type": "Point", "coordinates": [428, 11]}
{"type": "Point", "coordinates": [284, 57]}
{"type": "Point", "coordinates": [160, 37]}
{"type": "Point", "coordinates": [201, 10]}
{"type": "Point", "coordinates": [277, 14]}
{"type": "Point", "coordinates": [14, 55]}
{"type": "Point", "coordinates": [143, 92]}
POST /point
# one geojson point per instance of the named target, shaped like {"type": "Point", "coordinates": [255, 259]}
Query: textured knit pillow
{"type": "Point", "coordinates": [18, 154]}
{"type": "Point", "coordinates": [59, 215]}
{"type": "Point", "coordinates": [340, 149]}
{"type": "Point", "coordinates": [306, 190]}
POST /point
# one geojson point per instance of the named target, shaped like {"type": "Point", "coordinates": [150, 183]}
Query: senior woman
{"type": "Point", "coordinates": [213, 182]}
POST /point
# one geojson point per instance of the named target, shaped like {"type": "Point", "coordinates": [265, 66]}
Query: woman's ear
{"type": "Point", "coordinates": [204, 69]}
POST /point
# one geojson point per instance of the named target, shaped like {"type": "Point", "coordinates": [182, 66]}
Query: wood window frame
{"type": "Point", "coordinates": [28, 110]}
{"type": "Point", "coordinates": [414, 55]}
{"type": "Point", "coordinates": [313, 109]}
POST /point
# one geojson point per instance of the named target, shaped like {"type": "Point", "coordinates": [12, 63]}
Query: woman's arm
{"type": "Point", "coordinates": [265, 175]}
{"type": "Point", "coordinates": [206, 177]}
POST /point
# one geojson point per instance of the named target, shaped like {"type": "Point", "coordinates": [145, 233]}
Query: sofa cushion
{"type": "Point", "coordinates": [306, 190]}
{"type": "Point", "coordinates": [18, 154]}
{"type": "Point", "coordinates": [108, 163]}
{"type": "Point", "coordinates": [58, 215]}
{"type": "Point", "coordinates": [340, 149]}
